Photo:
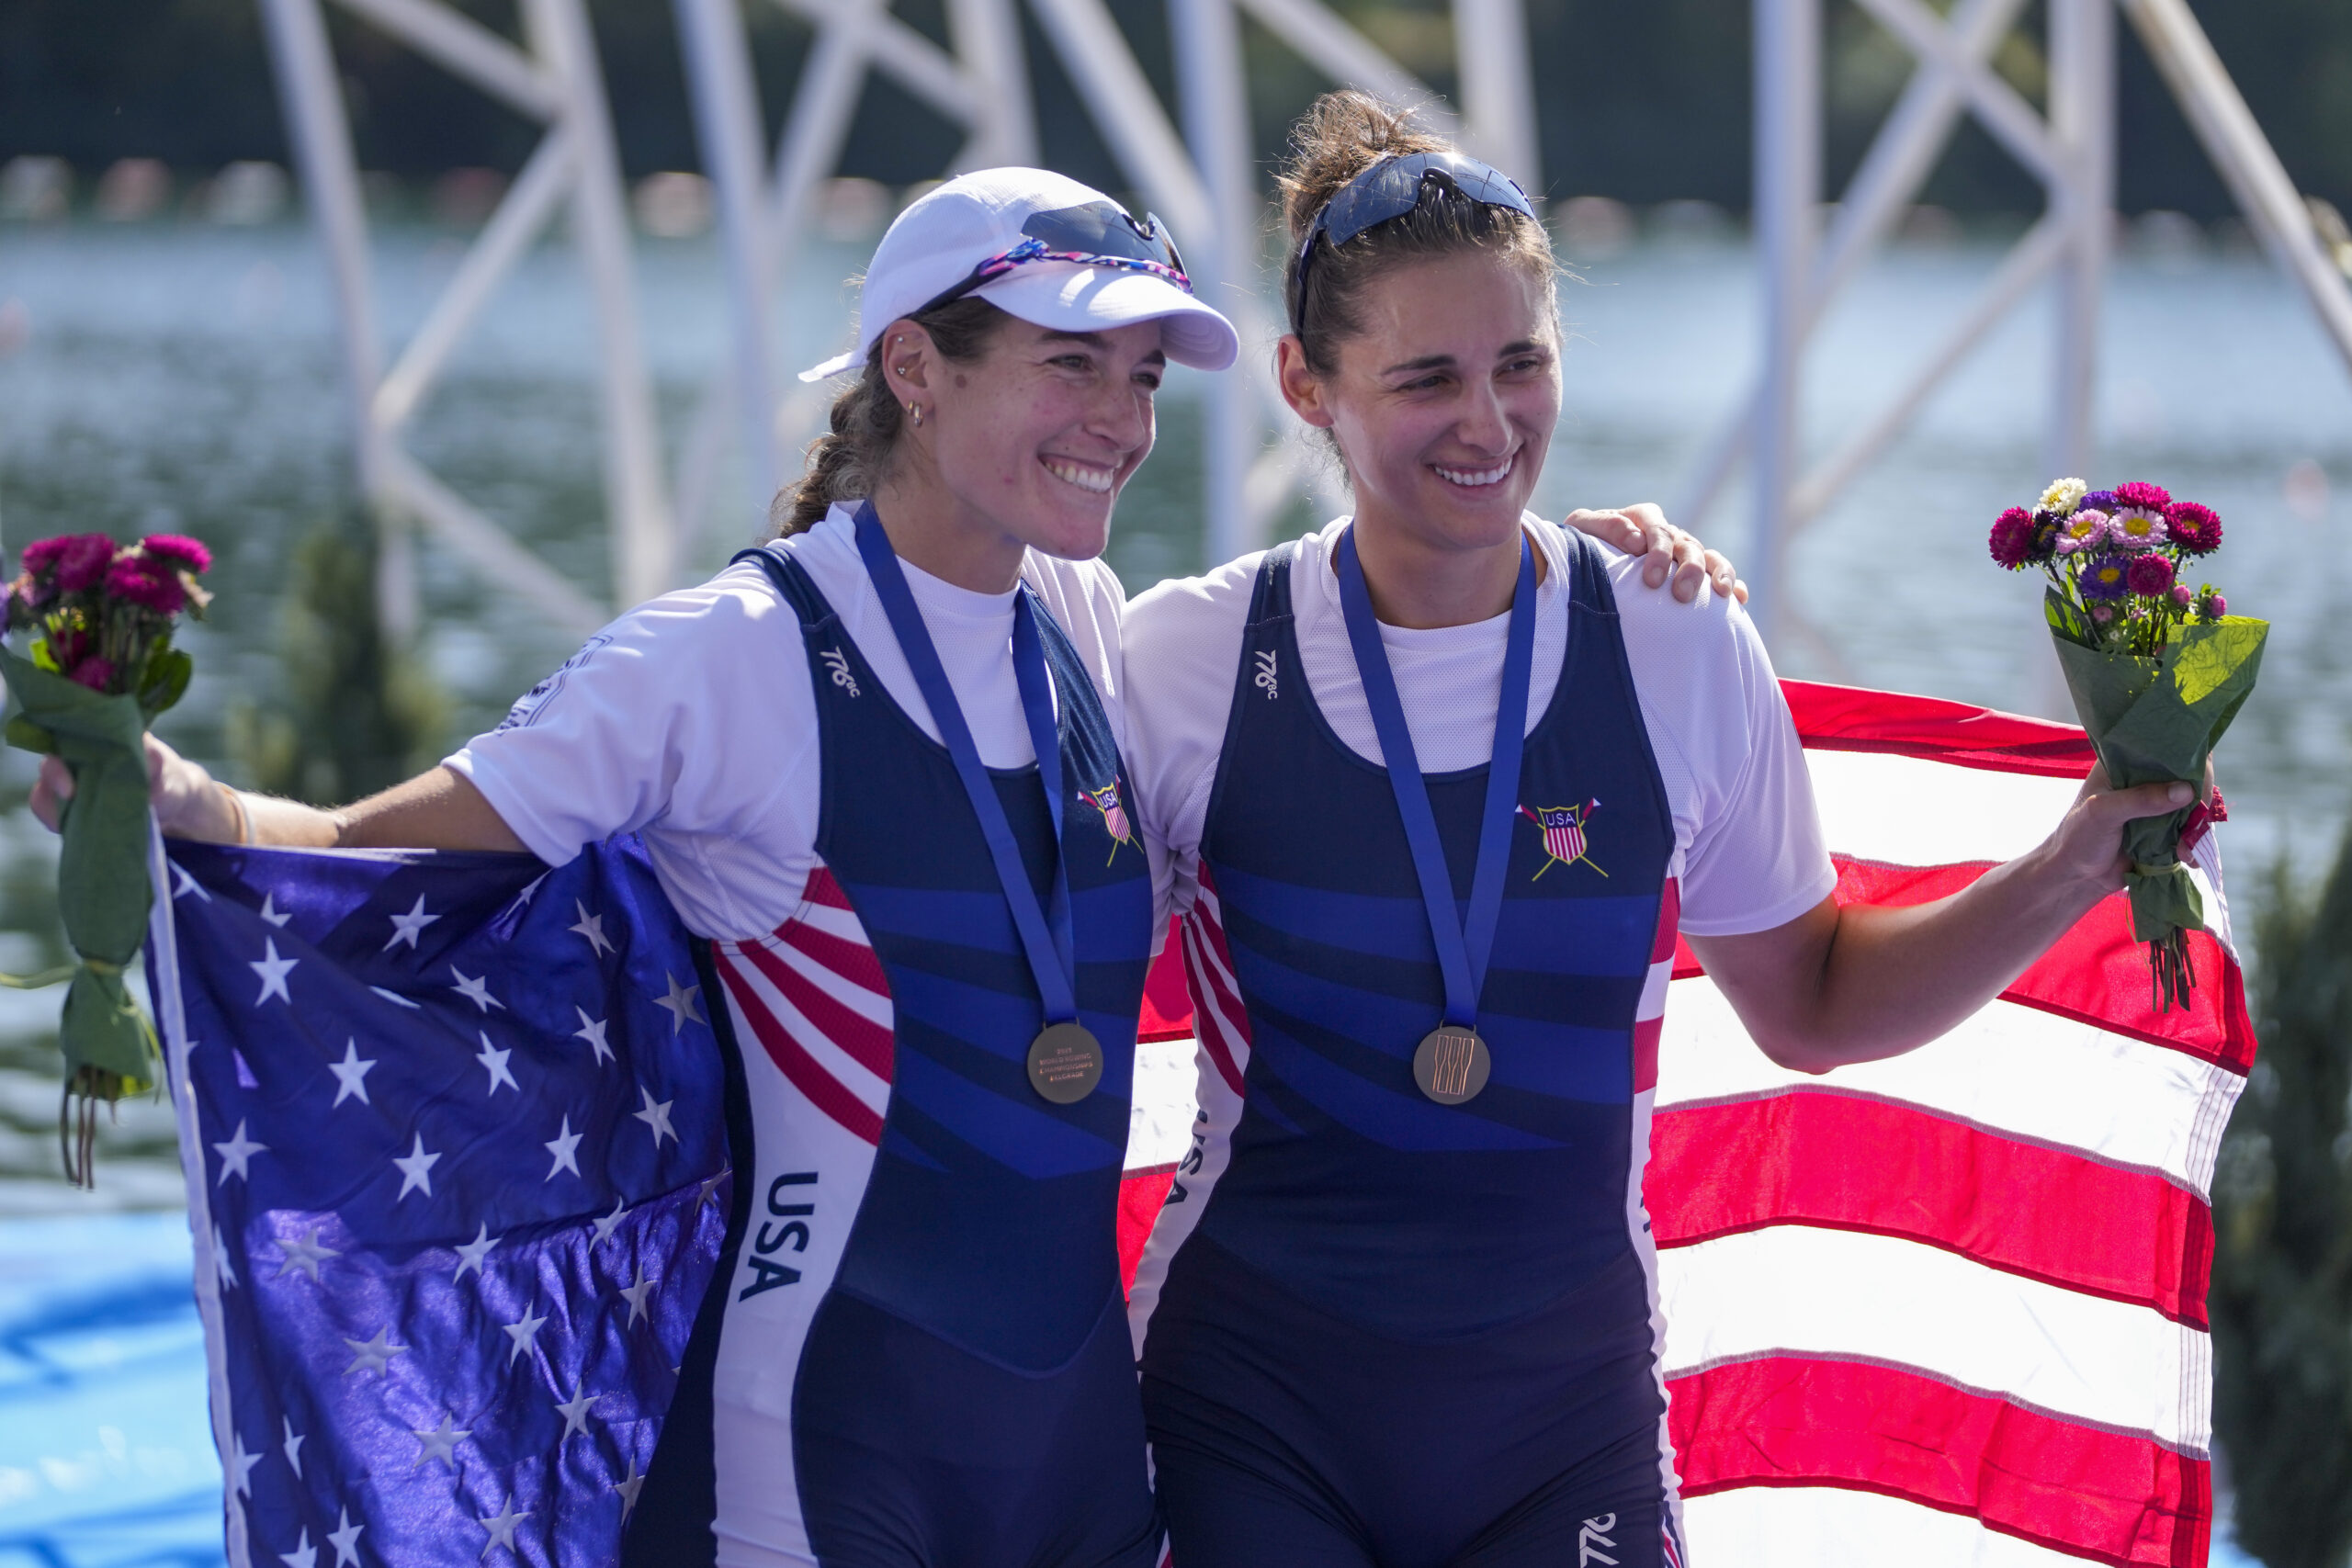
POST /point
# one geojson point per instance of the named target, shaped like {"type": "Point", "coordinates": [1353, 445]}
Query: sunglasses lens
{"type": "Point", "coordinates": [1102, 229]}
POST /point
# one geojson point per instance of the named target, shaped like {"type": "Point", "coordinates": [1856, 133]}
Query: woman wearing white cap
{"type": "Point", "coordinates": [878, 765]}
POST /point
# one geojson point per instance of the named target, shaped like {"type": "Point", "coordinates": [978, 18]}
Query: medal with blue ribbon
{"type": "Point", "coordinates": [1452, 1063]}
{"type": "Point", "coordinates": [1065, 1059]}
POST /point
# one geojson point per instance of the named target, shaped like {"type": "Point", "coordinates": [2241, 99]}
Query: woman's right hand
{"type": "Point", "coordinates": [189, 803]}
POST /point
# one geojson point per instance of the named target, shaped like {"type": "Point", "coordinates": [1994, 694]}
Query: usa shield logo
{"type": "Point", "coordinates": [1114, 814]}
{"type": "Point", "coordinates": [1565, 839]}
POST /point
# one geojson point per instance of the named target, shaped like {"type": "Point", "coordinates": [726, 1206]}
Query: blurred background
{"type": "Point", "coordinates": [173, 357]}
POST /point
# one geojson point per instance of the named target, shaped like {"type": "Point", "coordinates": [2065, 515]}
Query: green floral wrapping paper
{"type": "Point", "coordinates": [2155, 719]}
{"type": "Point", "coordinates": [102, 888]}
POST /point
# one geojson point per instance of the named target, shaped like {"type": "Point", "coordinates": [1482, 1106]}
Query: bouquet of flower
{"type": "Point", "coordinates": [98, 668]}
{"type": "Point", "coordinates": [2157, 670]}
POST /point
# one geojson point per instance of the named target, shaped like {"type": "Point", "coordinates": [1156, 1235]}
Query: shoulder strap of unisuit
{"type": "Point", "coordinates": [792, 582]}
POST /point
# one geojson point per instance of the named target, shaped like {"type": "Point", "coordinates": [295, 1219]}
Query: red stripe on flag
{"type": "Point", "coordinates": [861, 1039]}
{"type": "Point", "coordinates": [1847, 718]}
{"type": "Point", "coordinates": [1803, 1421]}
{"type": "Point", "coordinates": [1848, 1162]}
{"type": "Point", "coordinates": [1167, 1001]}
{"type": "Point", "coordinates": [1141, 1193]}
{"type": "Point", "coordinates": [824, 1091]}
{"type": "Point", "coordinates": [2095, 973]}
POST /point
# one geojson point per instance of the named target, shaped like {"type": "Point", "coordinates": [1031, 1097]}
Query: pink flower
{"type": "Point", "coordinates": [79, 559]}
{"type": "Point", "coordinates": [2083, 531]}
{"type": "Point", "coordinates": [2155, 498]}
{"type": "Point", "coordinates": [2150, 575]}
{"type": "Point", "coordinates": [2102, 613]}
{"type": "Point", "coordinates": [95, 673]}
{"type": "Point", "coordinates": [178, 550]}
{"type": "Point", "coordinates": [2197, 529]}
{"type": "Point", "coordinates": [2013, 538]}
{"type": "Point", "coordinates": [147, 581]}
{"type": "Point", "coordinates": [2182, 596]}
{"type": "Point", "coordinates": [2215, 606]}
{"type": "Point", "coordinates": [2137, 528]}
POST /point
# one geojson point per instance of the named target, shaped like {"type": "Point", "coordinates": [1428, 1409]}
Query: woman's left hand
{"type": "Point", "coordinates": [1643, 529]}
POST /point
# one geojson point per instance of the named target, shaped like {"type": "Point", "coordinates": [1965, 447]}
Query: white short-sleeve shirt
{"type": "Point", "coordinates": [692, 720]}
{"type": "Point", "coordinates": [1748, 847]}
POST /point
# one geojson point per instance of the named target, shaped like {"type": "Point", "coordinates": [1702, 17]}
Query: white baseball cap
{"type": "Point", "coordinates": [1125, 272]}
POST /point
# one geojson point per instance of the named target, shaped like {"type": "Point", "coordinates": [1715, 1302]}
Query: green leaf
{"type": "Point", "coordinates": [43, 659]}
{"type": "Point", "coordinates": [25, 735]}
{"type": "Point", "coordinates": [167, 679]}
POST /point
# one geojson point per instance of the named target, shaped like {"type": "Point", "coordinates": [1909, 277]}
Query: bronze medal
{"type": "Point", "coordinates": [1451, 1063]}
{"type": "Point", "coordinates": [1066, 1063]}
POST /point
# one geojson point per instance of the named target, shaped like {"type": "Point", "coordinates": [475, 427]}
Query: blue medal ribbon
{"type": "Point", "coordinates": [1462, 946]}
{"type": "Point", "coordinates": [1046, 932]}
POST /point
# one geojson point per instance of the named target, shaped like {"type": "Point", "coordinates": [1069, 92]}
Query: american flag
{"type": "Point", "coordinates": [1947, 1309]}
{"type": "Point", "coordinates": [453, 1136]}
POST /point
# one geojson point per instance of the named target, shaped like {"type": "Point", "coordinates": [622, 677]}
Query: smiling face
{"type": "Point", "coordinates": [1445, 399]}
{"type": "Point", "coordinates": [1030, 444]}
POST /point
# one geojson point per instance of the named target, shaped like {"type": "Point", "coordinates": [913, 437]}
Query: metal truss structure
{"type": "Point", "coordinates": [2070, 151]}
{"type": "Point", "coordinates": [553, 80]}
{"type": "Point", "coordinates": [1201, 176]}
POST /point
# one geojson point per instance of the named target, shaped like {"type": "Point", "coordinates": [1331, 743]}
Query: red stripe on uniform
{"type": "Point", "coordinates": [822, 889]}
{"type": "Point", "coordinates": [1645, 1036]}
{"type": "Point", "coordinates": [861, 1039]}
{"type": "Point", "coordinates": [1851, 1163]}
{"type": "Point", "coordinates": [1669, 922]}
{"type": "Point", "coordinates": [2095, 973]}
{"type": "Point", "coordinates": [1210, 995]}
{"type": "Point", "coordinates": [1803, 1421]}
{"type": "Point", "coordinates": [853, 961]}
{"type": "Point", "coordinates": [823, 1090]}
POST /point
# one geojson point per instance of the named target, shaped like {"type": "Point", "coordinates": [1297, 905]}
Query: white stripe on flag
{"type": "Point", "coordinates": [2012, 1068]}
{"type": "Point", "coordinates": [1803, 1291]}
{"type": "Point", "coordinates": [1821, 1527]}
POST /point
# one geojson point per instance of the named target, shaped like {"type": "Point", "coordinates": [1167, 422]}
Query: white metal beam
{"type": "Point", "coordinates": [2218, 113]}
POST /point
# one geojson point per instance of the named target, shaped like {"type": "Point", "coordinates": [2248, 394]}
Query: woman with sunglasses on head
{"type": "Point", "coordinates": [878, 762]}
{"type": "Point", "coordinates": [1439, 790]}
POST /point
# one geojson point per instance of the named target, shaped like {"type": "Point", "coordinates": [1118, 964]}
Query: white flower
{"type": "Point", "coordinates": [2064, 496]}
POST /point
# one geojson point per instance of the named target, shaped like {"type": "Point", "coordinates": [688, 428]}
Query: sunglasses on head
{"type": "Point", "coordinates": [1097, 233]}
{"type": "Point", "coordinates": [1393, 188]}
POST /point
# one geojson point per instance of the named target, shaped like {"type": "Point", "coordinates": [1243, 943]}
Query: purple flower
{"type": "Point", "coordinates": [2215, 606]}
{"type": "Point", "coordinates": [2150, 575]}
{"type": "Point", "coordinates": [95, 673]}
{"type": "Point", "coordinates": [2196, 529]}
{"type": "Point", "coordinates": [2137, 528]}
{"type": "Point", "coordinates": [2103, 499]}
{"type": "Point", "coordinates": [2155, 498]}
{"type": "Point", "coordinates": [147, 581]}
{"type": "Point", "coordinates": [2085, 530]}
{"type": "Point", "coordinates": [178, 550]}
{"type": "Point", "coordinates": [2013, 534]}
{"type": "Point", "coordinates": [2107, 577]}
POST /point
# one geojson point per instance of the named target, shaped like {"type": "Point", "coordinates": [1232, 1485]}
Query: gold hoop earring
{"type": "Point", "coordinates": [914, 414]}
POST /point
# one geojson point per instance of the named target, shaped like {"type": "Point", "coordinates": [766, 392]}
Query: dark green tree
{"type": "Point", "coordinates": [355, 714]}
{"type": "Point", "coordinates": [2281, 1300]}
